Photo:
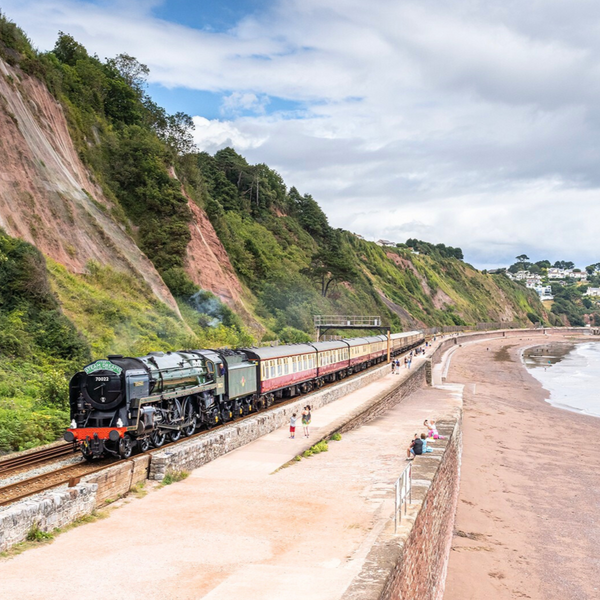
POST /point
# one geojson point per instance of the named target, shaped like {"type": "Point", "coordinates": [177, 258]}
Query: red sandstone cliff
{"type": "Point", "coordinates": [208, 265]}
{"type": "Point", "coordinates": [46, 194]}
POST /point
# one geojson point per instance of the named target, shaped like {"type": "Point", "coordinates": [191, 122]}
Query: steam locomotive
{"type": "Point", "coordinates": [122, 403]}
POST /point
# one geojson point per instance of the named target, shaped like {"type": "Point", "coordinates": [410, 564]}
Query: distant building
{"type": "Point", "coordinates": [544, 292]}
{"type": "Point", "coordinates": [531, 279]}
{"type": "Point", "coordinates": [386, 243]}
{"type": "Point", "coordinates": [360, 237]}
{"type": "Point", "coordinates": [591, 291]}
{"type": "Point", "coordinates": [554, 273]}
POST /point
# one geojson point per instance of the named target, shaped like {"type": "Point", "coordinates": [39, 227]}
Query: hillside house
{"type": "Point", "coordinates": [386, 243]}
{"type": "Point", "coordinates": [544, 292]}
{"type": "Point", "coordinates": [592, 291]}
{"type": "Point", "coordinates": [554, 273]}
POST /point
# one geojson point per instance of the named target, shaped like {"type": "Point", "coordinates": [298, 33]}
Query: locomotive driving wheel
{"type": "Point", "coordinates": [158, 438]}
{"type": "Point", "coordinates": [189, 417]}
{"type": "Point", "coordinates": [144, 444]}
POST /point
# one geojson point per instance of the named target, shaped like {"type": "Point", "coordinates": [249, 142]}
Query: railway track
{"type": "Point", "coordinates": [46, 481]}
{"type": "Point", "coordinates": [18, 463]}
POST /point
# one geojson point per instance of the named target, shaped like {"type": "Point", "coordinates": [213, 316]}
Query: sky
{"type": "Point", "coordinates": [473, 123]}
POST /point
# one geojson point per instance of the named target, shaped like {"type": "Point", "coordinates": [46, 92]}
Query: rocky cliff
{"type": "Point", "coordinates": [47, 196]}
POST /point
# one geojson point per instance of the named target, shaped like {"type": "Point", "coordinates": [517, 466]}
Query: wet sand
{"type": "Point", "coordinates": [528, 520]}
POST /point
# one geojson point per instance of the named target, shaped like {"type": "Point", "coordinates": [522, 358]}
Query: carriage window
{"type": "Point", "coordinates": [286, 366]}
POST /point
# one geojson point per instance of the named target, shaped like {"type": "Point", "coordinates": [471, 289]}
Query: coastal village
{"type": "Point", "coordinates": [542, 281]}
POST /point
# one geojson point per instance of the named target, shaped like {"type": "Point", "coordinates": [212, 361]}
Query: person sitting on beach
{"type": "Point", "coordinates": [415, 448]}
{"type": "Point", "coordinates": [426, 448]}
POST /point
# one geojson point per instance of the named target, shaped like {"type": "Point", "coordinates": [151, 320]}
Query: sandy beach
{"type": "Point", "coordinates": [528, 519]}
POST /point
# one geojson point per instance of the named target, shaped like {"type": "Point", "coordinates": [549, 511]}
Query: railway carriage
{"type": "Point", "coordinates": [333, 360]}
{"type": "Point", "coordinates": [377, 348]}
{"type": "Point", "coordinates": [359, 349]}
{"type": "Point", "coordinates": [284, 370]}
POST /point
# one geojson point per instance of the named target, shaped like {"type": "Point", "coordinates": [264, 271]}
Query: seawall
{"type": "Point", "coordinates": [411, 563]}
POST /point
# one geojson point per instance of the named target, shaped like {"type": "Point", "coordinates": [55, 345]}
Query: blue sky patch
{"type": "Point", "coordinates": [211, 15]}
{"type": "Point", "coordinates": [210, 104]}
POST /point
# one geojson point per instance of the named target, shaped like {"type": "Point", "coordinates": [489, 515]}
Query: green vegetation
{"type": "Point", "coordinates": [336, 437]}
{"type": "Point", "coordinates": [570, 303]}
{"type": "Point", "coordinates": [316, 449]}
{"type": "Point", "coordinates": [39, 346]}
{"type": "Point", "coordinates": [175, 476]}
{"type": "Point", "coordinates": [438, 250]}
{"type": "Point", "coordinates": [35, 534]}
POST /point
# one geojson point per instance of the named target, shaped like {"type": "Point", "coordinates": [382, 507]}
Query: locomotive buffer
{"type": "Point", "coordinates": [325, 323]}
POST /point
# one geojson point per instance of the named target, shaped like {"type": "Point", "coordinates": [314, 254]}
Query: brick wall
{"type": "Point", "coordinates": [47, 511]}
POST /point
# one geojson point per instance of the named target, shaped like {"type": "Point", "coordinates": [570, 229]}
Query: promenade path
{"type": "Point", "coordinates": [236, 528]}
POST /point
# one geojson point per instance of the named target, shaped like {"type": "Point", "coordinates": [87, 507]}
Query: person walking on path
{"type": "Point", "coordinates": [306, 419]}
{"type": "Point", "coordinates": [293, 426]}
{"type": "Point", "coordinates": [393, 366]}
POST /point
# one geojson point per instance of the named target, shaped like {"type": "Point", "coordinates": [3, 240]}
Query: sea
{"type": "Point", "coordinates": [570, 372]}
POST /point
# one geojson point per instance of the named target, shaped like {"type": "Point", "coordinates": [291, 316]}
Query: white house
{"type": "Point", "coordinates": [591, 291]}
{"type": "Point", "coordinates": [554, 273]}
{"type": "Point", "coordinates": [544, 292]}
{"type": "Point", "coordinates": [385, 243]}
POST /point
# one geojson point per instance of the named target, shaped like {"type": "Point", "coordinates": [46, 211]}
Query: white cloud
{"type": "Point", "coordinates": [469, 123]}
{"type": "Point", "coordinates": [212, 135]}
{"type": "Point", "coordinates": [239, 102]}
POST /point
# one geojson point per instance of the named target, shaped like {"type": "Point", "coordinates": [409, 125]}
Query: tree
{"type": "Point", "coordinates": [330, 265]}
{"type": "Point", "coordinates": [523, 261]}
{"type": "Point", "coordinates": [178, 133]}
{"type": "Point", "coordinates": [67, 50]}
{"type": "Point", "coordinates": [134, 73]}
{"type": "Point", "coordinates": [591, 269]}
{"type": "Point", "coordinates": [310, 215]}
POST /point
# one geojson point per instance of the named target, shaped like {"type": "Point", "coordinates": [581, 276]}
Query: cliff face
{"type": "Point", "coordinates": [46, 194]}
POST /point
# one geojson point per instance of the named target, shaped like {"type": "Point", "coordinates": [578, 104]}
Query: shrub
{"type": "Point", "coordinates": [170, 478]}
